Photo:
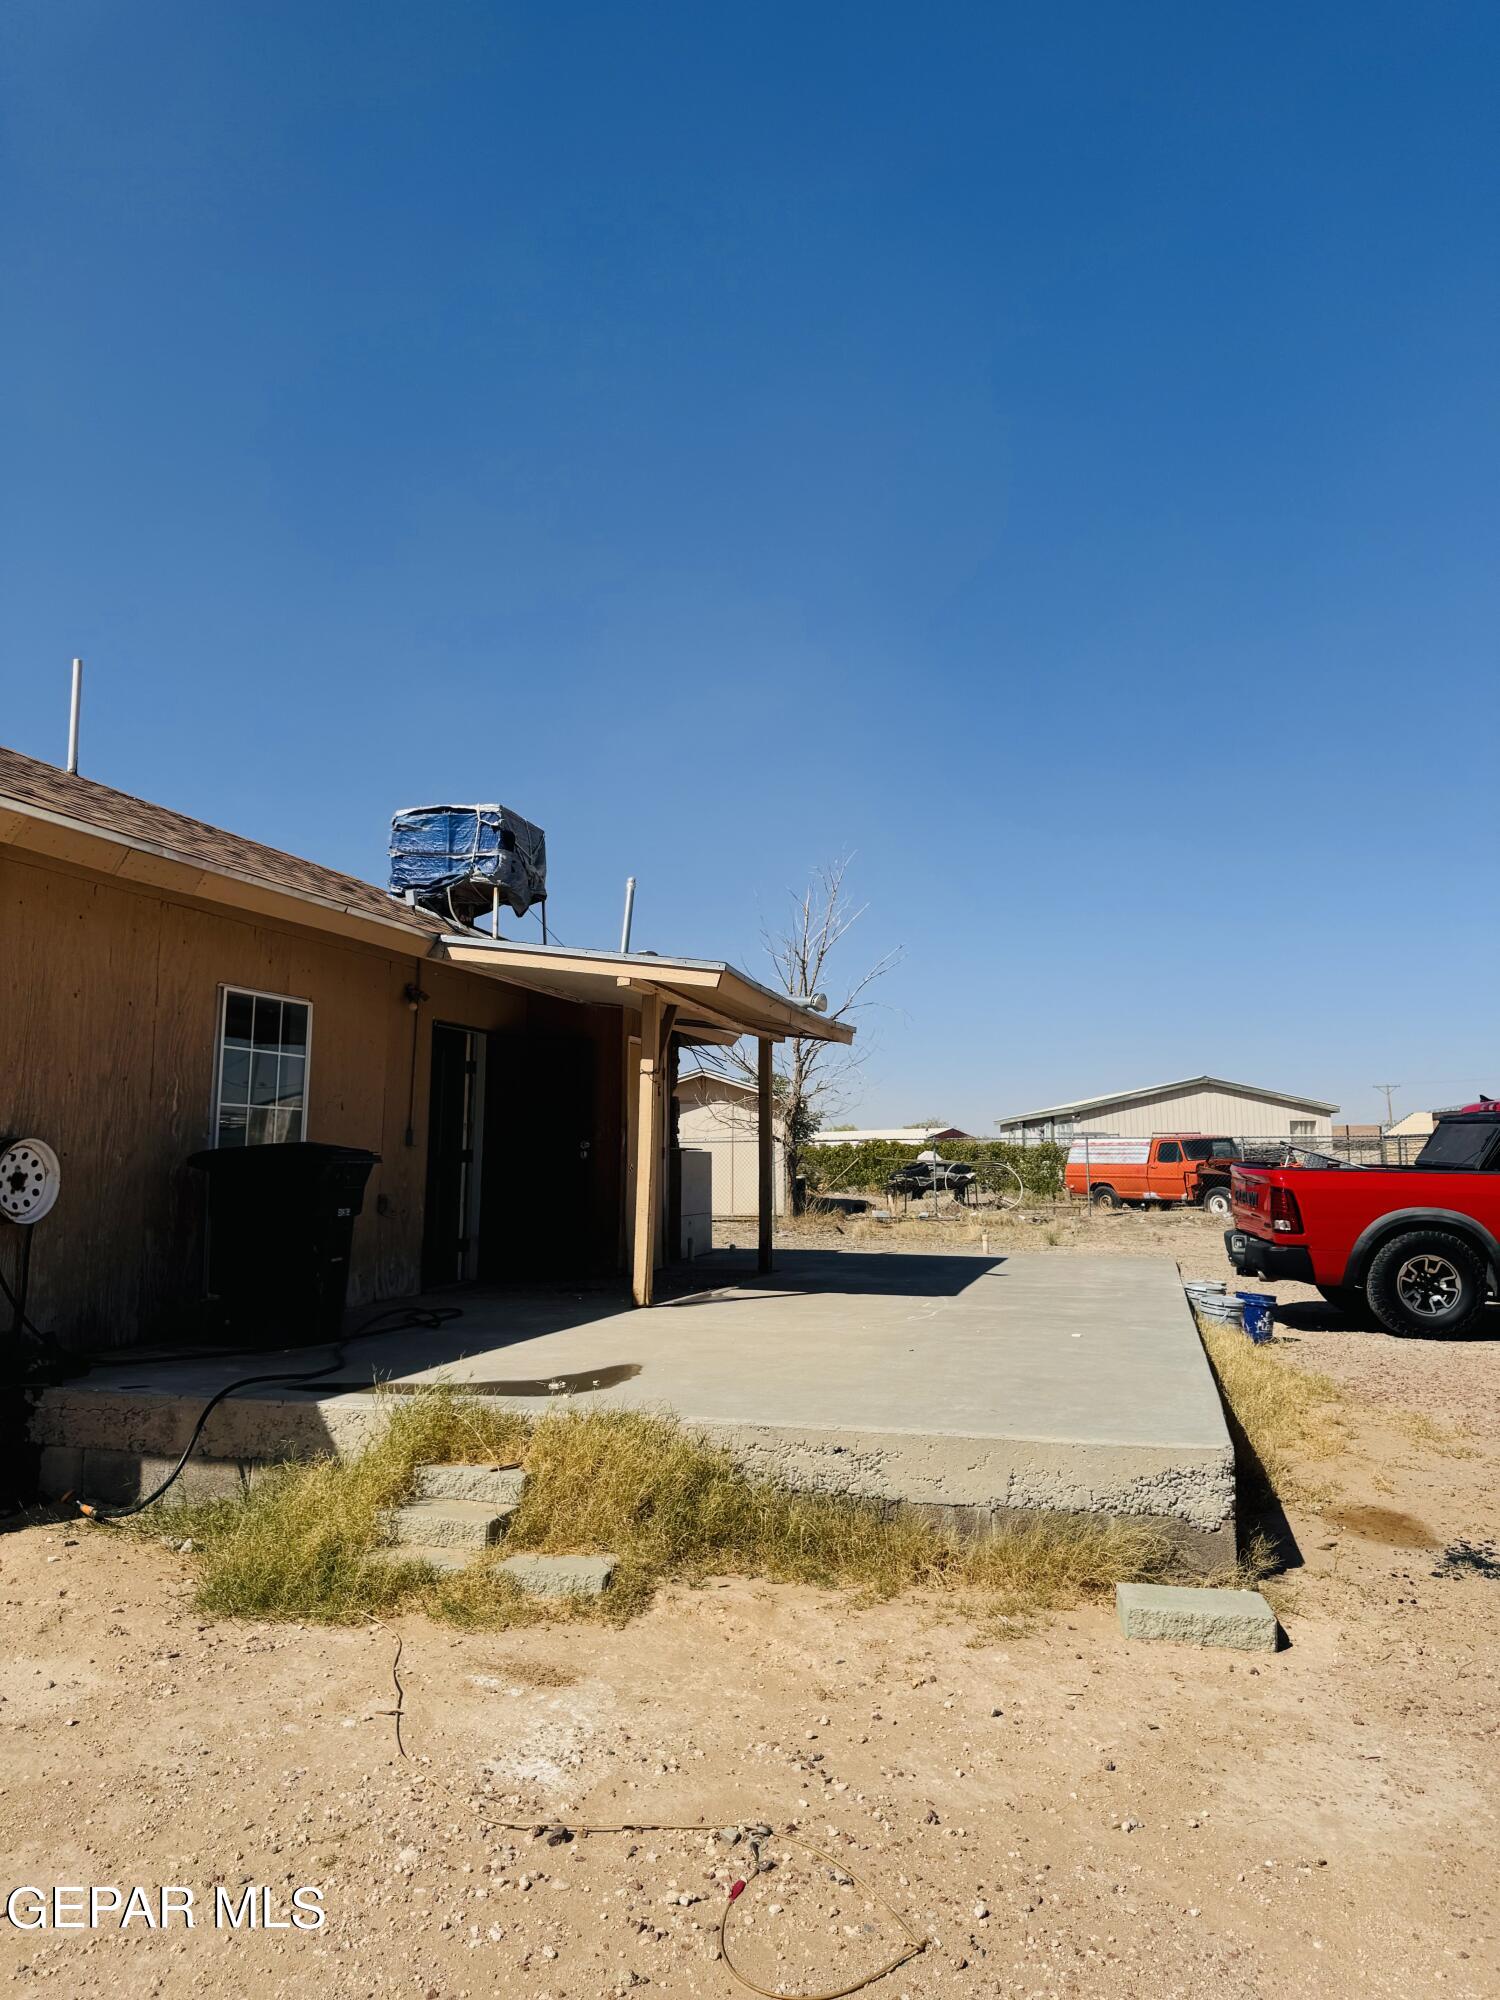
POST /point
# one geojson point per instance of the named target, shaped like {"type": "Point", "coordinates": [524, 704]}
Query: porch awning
{"type": "Point", "coordinates": [714, 1002]}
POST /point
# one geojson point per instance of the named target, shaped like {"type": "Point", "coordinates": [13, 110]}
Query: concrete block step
{"type": "Point", "coordinates": [435, 1558]}
{"type": "Point", "coordinates": [559, 1576]}
{"type": "Point", "coordinates": [499, 1484]}
{"type": "Point", "coordinates": [446, 1524]}
{"type": "Point", "coordinates": [1197, 1617]}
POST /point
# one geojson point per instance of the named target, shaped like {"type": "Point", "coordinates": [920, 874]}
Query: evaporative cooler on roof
{"type": "Point", "coordinates": [457, 860]}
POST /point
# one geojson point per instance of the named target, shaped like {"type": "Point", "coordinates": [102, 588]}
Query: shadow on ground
{"type": "Point", "coordinates": [862, 1273]}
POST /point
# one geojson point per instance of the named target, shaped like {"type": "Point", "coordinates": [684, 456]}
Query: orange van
{"type": "Point", "coordinates": [1182, 1168]}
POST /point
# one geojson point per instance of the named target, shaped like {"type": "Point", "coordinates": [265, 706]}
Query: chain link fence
{"type": "Point", "coordinates": [1033, 1174]}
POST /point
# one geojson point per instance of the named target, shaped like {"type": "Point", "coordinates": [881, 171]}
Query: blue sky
{"type": "Point", "coordinates": [1048, 452]}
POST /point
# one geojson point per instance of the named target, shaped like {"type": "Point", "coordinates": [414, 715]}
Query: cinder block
{"type": "Point", "coordinates": [433, 1558]}
{"type": "Point", "coordinates": [120, 1478]}
{"type": "Point", "coordinates": [449, 1524]}
{"type": "Point", "coordinates": [560, 1576]}
{"type": "Point", "coordinates": [1238, 1618]}
{"type": "Point", "coordinates": [499, 1484]}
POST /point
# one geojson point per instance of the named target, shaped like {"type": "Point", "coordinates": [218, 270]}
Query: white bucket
{"type": "Point", "coordinates": [1223, 1311]}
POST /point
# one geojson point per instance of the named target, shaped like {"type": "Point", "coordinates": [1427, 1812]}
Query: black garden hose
{"type": "Point", "coordinates": [429, 1317]}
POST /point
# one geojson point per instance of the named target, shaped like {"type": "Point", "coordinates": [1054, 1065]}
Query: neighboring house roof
{"type": "Point", "coordinates": [62, 816]}
{"type": "Point", "coordinates": [703, 1092]}
{"type": "Point", "coordinates": [735, 1085]}
{"type": "Point", "coordinates": [1150, 1090]}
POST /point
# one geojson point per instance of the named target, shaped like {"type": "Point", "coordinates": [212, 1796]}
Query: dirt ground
{"type": "Point", "coordinates": [1058, 1811]}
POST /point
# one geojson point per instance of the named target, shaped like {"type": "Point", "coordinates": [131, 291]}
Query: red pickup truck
{"type": "Point", "coordinates": [1420, 1245]}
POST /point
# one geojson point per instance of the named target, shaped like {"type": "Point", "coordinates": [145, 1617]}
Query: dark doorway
{"type": "Point", "coordinates": [448, 1248]}
{"type": "Point", "coordinates": [537, 1209]}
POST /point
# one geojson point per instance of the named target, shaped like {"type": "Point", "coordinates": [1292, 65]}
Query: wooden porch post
{"type": "Point", "coordinates": [765, 1147]}
{"type": "Point", "coordinates": [647, 1152]}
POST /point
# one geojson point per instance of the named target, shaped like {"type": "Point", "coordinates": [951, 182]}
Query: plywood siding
{"type": "Point", "coordinates": [109, 1003]}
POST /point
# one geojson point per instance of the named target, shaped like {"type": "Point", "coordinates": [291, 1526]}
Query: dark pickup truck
{"type": "Point", "coordinates": [1418, 1245]}
{"type": "Point", "coordinates": [920, 1177]}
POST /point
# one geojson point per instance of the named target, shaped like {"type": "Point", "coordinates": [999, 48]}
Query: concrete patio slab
{"type": "Point", "coordinates": [955, 1381]}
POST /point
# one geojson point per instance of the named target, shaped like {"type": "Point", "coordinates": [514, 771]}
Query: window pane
{"type": "Point", "coordinates": [234, 1085]}
{"type": "Point", "coordinates": [238, 1010]}
{"type": "Point", "coordinates": [262, 1070]}
{"type": "Point", "coordinates": [262, 1078]}
{"type": "Point", "coordinates": [289, 1082]}
{"type": "Point", "coordinates": [267, 1024]}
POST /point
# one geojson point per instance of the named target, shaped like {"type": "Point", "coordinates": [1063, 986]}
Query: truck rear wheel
{"type": "Point", "coordinates": [1426, 1281]}
{"type": "Point", "coordinates": [1217, 1202]}
{"type": "Point", "coordinates": [1104, 1197]}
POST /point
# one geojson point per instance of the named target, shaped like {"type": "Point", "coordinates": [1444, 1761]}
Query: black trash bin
{"type": "Point", "coordinates": [280, 1225]}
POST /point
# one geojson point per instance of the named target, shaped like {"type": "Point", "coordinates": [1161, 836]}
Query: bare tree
{"type": "Point", "coordinates": [812, 1078]}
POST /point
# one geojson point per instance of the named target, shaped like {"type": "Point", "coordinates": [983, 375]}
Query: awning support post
{"type": "Point", "coordinates": [647, 1152]}
{"type": "Point", "coordinates": [765, 1148]}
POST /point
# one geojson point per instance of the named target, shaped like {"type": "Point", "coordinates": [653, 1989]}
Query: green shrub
{"type": "Point", "coordinates": [851, 1169]}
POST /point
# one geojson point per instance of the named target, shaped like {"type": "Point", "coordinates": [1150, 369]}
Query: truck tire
{"type": "Point", "coordinates": [1426, 1281]}
{"type": "Point", "coordinates": [1345, 1299]}
{"type": "Point", "coordinates": [1104, 1197]}
{"type": "Point", "coordinates": [1218, 1202]}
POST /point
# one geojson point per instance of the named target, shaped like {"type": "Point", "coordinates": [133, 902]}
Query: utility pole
{"type": "Point", "coordinates": [1390, 1116]}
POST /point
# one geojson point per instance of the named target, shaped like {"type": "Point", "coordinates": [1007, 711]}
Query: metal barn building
{"type": "Point", "coordinates": [1193, 1104]}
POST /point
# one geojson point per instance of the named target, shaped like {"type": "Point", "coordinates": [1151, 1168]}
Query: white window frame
{"type": "Point", "coordinates": [256, 993]}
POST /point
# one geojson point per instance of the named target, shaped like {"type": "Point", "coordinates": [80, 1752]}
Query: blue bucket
{"type": "Point", "coordinates": [1260, 1314]}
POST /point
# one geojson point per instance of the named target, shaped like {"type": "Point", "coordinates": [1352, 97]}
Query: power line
{"type": "Point", "coordinates": [1390, 1116]}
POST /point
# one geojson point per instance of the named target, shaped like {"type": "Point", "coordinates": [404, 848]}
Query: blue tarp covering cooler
{"type": "Point", "coordinates": [457, 858]}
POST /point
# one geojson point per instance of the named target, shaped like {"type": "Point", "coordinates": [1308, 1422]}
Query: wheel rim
{"type": "Point", "coordinates": [1428, 1286]}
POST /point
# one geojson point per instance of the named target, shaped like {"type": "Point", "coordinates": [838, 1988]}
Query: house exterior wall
{"type": "Point", "coordinates": [1228, 1112]}
{"type": "Point", "coordinates": [1415, 1125]}
{"type": "Point", "coordinates": [722, 1122]}
{"type": "Point", "coordinates": [110, 995]}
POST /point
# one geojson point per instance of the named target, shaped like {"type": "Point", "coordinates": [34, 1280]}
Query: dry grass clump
{"type": "Point", "coordinates": [667, 1502]}
{"type": "Point", "coordinates": [1287, 1413]}
{"type": "Point", "coordinates": [1420, 1429]}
